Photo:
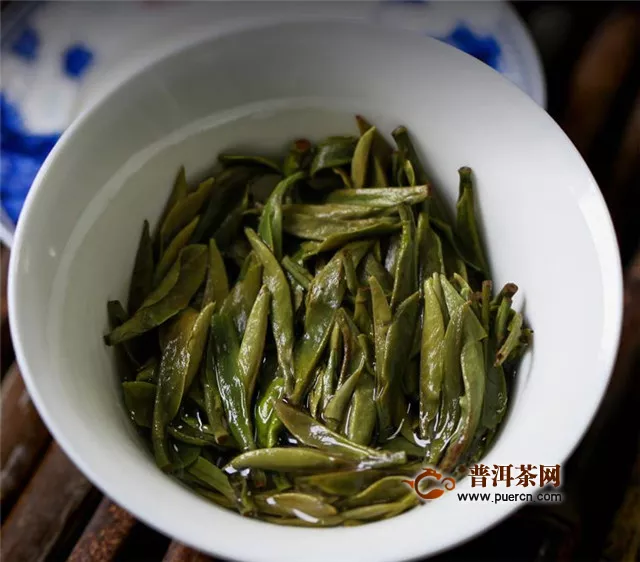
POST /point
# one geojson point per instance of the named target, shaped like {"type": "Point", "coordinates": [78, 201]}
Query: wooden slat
{"type": "Point", "coordinates": [105, 534]}
{"type": "Point", "coordinates": [178, 552]}
{"type": "Point", "coordinates": [617, 416]}
{"type": "Point", "coordinates": [4, 268]}
{"type": "Point", "coordinates": [598, 75]}
{"type": "Point", "coordinates": [629, 152]}
{"type": "Point", "coordinates": [623, 541]}
{"type": "Point", "coordinates": [22, 434]}
{"type": "Point", "coordinates": [630, 337]}
{"type": "Point", "coordinates": [50, 500]}
{"type": "Point", "coordinates": [6, 349]}
{"type": "Point", "coordinates": [623, 191]}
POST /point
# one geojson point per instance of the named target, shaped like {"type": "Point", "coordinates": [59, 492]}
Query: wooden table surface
{"type": "Point", "coordinates": [591, 54]}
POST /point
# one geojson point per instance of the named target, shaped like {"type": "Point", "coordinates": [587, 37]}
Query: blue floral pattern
{"type": "Point", "coordinates": [77, 59]}
{"type": "Point", "coordinates": [26, 45]}
{"type": "Point", "coordinates": [483, 47]}
{"type": "Point", "coordinates": [22, 155]}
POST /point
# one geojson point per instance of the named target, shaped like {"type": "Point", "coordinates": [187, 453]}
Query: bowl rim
{"type": "Point", "coordinates": [614, 283]}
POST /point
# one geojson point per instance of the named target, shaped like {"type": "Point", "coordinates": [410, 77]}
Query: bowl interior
{"type": "Point", "coordinates": [544, 222]}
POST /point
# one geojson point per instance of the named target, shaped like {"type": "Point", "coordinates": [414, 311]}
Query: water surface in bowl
{"type": "Point", "coordinates": [110, 225]}
{"type": "Point", "coordinates": [138, 191]}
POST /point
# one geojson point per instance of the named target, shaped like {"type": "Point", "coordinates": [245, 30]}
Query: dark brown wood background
{"type": "Point", "coordinates": [591, 55]}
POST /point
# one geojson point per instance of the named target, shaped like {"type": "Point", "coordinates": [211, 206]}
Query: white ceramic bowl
{"type": "Point", "coordinates": [545, 223]}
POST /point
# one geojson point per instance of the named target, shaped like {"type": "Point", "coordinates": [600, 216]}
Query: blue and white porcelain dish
{"type": "Point", "coordinates": [59, 57]}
